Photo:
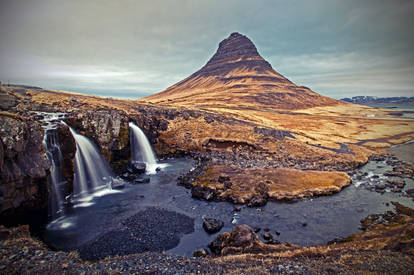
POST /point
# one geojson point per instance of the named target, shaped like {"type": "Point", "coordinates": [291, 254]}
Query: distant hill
{"type": "Point", "coordinates": [373, 100]}
{"type": "Point", "coordinates": [238, 77]}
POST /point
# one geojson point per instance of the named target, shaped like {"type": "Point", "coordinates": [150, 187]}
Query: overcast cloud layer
{"type": "Point", "coordinates": [137, 48]}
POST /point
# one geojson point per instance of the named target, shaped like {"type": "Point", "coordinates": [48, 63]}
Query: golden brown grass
{"type": "Point", "coordinates": [279, 183]}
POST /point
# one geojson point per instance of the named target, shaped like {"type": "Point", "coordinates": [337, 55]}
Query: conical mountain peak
{"type": "Point", "coordinates": [235, 51]}
{"type": "Point", "coordinates": [236, 46]}
{"type": "Point", "coordinates": [238, 77]}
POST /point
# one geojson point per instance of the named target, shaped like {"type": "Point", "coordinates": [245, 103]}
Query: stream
{"type": "Point", "coordinates": [326, 217]}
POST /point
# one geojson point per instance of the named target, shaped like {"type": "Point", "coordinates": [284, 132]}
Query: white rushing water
{"type": "Point", "coordinates": [141, 150]}
{"type": "Point", "coordinates": [55, 178]}
{"type": "Point", "coordinates": [91, 170]}
{"type": "Point", "coordinates": [56, 182]}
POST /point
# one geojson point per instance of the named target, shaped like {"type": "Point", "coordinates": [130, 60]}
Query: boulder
{"type": "Point", "coordinates": [202, 252]}
{"type": "Point", "coordinates": [257, 201]}
{"type": "Point", "coordinates": [243, 240]}
{"type": "Point", "coordinates": [241, 236]}
{"type": "Point", "coordinates": [138, 167]}
{"type": "Point", "coordinates": [200, 192]}
{"type": "Point", "coordinates": [117, 183]}
{"type": "Point", "coordinates": [267, 236]}
{"type": "Point", "coordinates": [141, 180]}
{"type": "Point", "coordinates": [237, 208]}
{"type": "Point", "coordinates": [212, 225]}
{"type": "Point", "coordinates": [218, 243]}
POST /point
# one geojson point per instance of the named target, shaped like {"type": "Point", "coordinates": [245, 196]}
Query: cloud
{"type": "Point", "coordinates": [136, 48]}
{"type": "Point", "coordinates": [349, 74]}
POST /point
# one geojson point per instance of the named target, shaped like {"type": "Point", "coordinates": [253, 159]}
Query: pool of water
{"type": "Point", "coordinates": [327, 217]}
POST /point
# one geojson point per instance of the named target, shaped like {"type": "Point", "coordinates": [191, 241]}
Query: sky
{"type": "Point", "coordinates": [131, 49]}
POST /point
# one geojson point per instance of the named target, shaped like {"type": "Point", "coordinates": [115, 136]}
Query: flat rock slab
{"type": "Point", "coordinates": [255, 185]}
{"type": "Point", "coordinates": [150, 230]}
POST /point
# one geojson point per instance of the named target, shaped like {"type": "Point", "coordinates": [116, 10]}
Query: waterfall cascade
{"type": "Point", "coordinates": [91, 170]}
{"type": "Point", "coordinates": [55, 178]}
{"type": "Point", "coordinates": [56, 182]}
{"type": "Point", "coordinates": [141, 150]}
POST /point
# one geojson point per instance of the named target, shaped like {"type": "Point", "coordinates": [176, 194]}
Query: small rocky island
{"type": "Point", "coordinates": [234, 169]}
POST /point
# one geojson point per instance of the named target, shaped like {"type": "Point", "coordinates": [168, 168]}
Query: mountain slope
{"type": "Point", "coordinates": [237, 76]}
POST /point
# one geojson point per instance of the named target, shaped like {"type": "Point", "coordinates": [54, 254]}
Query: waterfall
{"type": "Point", "coordinates": [55, 179]}
{"type": "Point", "coordinates": [91, 170]}
{"type": "Point", "coordinates": [141, 150]}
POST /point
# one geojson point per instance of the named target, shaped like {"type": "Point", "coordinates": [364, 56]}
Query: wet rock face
{"type": "Point", "coordinates": [68, 147]}
{"type": "Point", "coordinates": [109, 130]}
{"type": "Point", "coordinates": [23, 165]}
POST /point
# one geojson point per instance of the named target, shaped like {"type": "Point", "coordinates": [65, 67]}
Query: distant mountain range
{"type": "Point", "coordinates": [373, 100]}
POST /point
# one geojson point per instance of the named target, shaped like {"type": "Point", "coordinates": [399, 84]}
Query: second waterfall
{"type": "Point", "coordinates": [91, 170]}
{"type": "Point", "coordinates": [141, 150]}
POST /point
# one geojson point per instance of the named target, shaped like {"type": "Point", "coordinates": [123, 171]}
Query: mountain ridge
{"type": "Point", "coordinates": [367, 100]}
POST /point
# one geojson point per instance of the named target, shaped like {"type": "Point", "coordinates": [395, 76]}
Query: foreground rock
{"type": "Point", "coordinates": [212, 225]}
{"type": "Point", "coordinates": [243, 239]}
{"type": "Point", "coordinates": [254, 186]}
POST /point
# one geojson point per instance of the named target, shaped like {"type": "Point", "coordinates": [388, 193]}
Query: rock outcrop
{"type": "Point", "coordinates": [68, 147]}
{"type": "Point", "coordinates": [241, 240]}
{"type": "Point", "coordinates": [109, 130]}
{"type": "Point", "coordinates": [23, 165]}
{"type": "Point", "coordinates": [254, 186]}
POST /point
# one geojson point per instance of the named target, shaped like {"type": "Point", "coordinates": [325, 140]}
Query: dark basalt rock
{"type": "Point", "coordinates": [117, 183]}
{"type": "Point", "coordinates": [242, 238]}
{"type": "Point", "coordinates": [138, 167]}
{"type": "Point", "coordinates": [267, 236]}
{"type": "Point", "coordinates": [200, 192]}
{"type": "Point", "coordinates": [202, 252]}
{"type": "Point", "coordinates": [24, 166]}
{"type": "Point", "coordinates": [237, 208]}
{"type": "Point", "coordinates": [141, 180]}
{"type": "Point", "coordinates": [218, 243]}
{"type": "Point", "coordinates": [257, 201]}
{"type": "Point", "coordinates": [212, 225]}
{"type": "Point", "coordinates": [68, 148]}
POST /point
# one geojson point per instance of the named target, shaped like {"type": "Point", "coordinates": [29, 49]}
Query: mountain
{"type": "Point", "coordinates": [373, 100]}
{"type": "Point", "coordinates": [237, 76]}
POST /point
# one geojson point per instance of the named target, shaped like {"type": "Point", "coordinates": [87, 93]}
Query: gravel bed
{"type": "Point", "coordinates": [150, 230]}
